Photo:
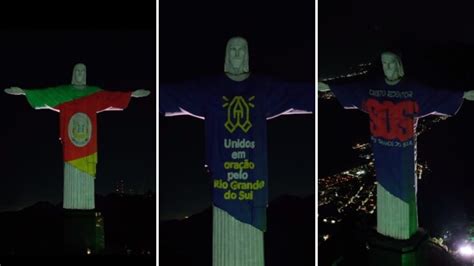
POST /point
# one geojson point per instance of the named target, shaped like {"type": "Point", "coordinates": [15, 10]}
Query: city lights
{"type": "Point", "coordinates": [360, 172]}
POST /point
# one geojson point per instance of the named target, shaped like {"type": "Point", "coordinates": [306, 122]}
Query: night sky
{"type": "Point", "coordinates": [353, 31]}
{"type": "Point", "coordinates": [192, 43]}
{"type": "Point", "coordinates": [119, 50]}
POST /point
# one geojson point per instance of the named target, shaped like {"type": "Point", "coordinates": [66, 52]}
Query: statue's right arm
{"type": "Point", "coordinates": [185, 98]}
{"type": "Point", "coordinates": [46, 98]}
{"type": "Point", "coordinates": [323, 87]}
{"type": "Point", "coordinates": [15, 91]}
{"type": "Point", "coordinates": [350, 95]}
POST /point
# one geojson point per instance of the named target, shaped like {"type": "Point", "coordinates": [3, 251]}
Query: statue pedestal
{"type": "Point", "coordinates": [83, 232]}
{"type": "Point", "coordinates": [388, 251]}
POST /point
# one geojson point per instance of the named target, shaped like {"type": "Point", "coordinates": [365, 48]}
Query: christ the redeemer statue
{"type": "Point", "coordinates": [235, 106]}
{"type": "Point", "coordinates": [78, 105]}
{"type": "Point", "coordinates": [394, 105]}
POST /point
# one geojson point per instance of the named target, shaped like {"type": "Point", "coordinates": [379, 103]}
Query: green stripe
{"type": "Point", "coordinates": [52, 97]}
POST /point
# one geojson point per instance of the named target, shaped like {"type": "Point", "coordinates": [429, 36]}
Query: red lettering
{"type": "Point", "coordinates": [373, 107]}
{"type": "Point", "coordinates": [392, 120]}
{"type": "Point", "coordinates": [407, 110]}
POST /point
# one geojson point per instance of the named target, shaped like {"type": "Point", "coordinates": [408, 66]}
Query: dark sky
{"type": "Point", "coordinates": [192, 44]}
{"type": "Point", "coordinates": [354, 31]}
{"type": "Point", "coordinates": [119, 50]}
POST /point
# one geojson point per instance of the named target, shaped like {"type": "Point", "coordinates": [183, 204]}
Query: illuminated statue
{"type": "Point", "coordinates": [394, 106]}
{"type": "Point", "coordinates": [235, 107]}
{"type": "Point", "coordinates": [78, 105]}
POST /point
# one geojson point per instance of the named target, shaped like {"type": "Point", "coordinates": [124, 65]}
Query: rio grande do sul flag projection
{"type": "Point", "coordinates": [236, 116]}
{"type": "Point", "coordinates": [78, 110]}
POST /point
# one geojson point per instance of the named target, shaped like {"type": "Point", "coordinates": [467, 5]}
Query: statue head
{"type": "Point", "coordinates": [392, 67]}
{"type": "Point", "coordinates": [79, 75]}
{"type": "Point", "coordinates": [236, 56]}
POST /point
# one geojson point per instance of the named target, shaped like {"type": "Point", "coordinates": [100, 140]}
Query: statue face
{"type": "Point", "coordinates": [79, 75]}
{"type": "Point", "coordinates": [391, 67]}
{"type": "Point", "coordinates": [237, 51]}
{"type": "Point", "coordinates": [236, 56]}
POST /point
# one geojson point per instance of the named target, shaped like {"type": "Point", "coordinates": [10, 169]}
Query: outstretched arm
{"type": "Point", "coordinates": [184, 98]}
{"type": "Point", "coordinates": [284, 98]}
{"type": "Point", "coordinates": [323, 87]}
{"type": "Point", "coordinates": [350, 95]}
{"type": "Point", "coordinates": [439, 101]}
{"type": "Point", "coordinates": [14, 91]}
{"type": "Point", "coordinates": [45, 98]}
{"type": "Point", "coordinates": [113, 100]}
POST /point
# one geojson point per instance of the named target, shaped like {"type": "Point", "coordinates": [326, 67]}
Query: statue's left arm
{"type": "Point", "coordinates": [438, 101]}
{"type": "Point", "coordinates": [117, 100]}
{"type": "Point", "coordinates": [283, 98]}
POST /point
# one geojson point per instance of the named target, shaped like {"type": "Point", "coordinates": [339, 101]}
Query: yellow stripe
{"type": "Point", "coordinates": [86, 164]}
